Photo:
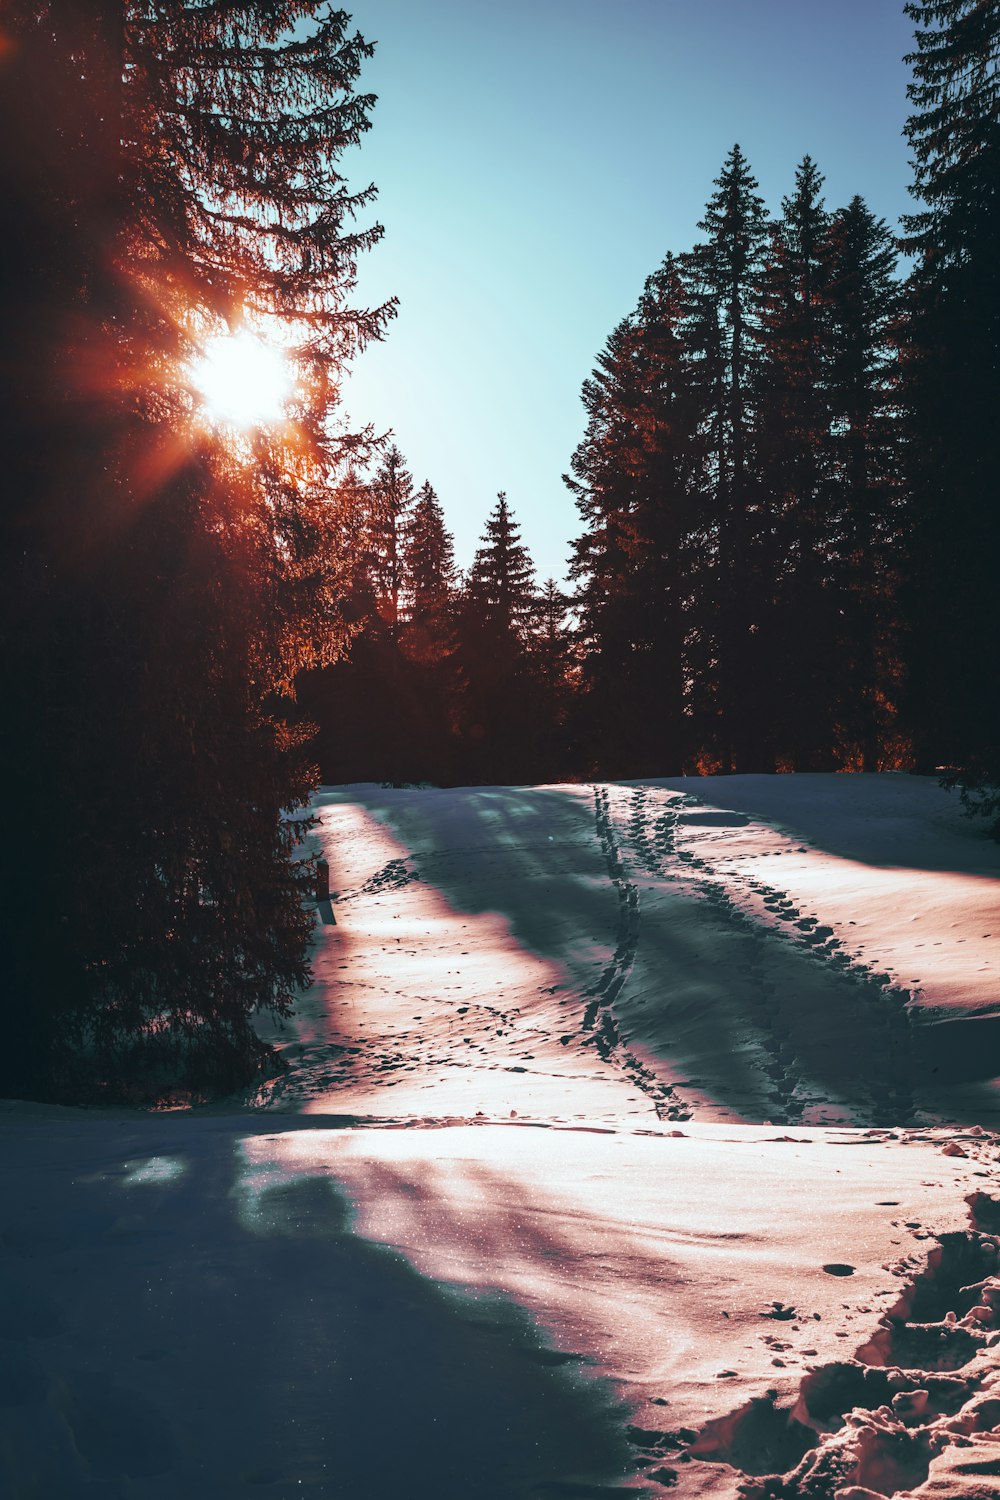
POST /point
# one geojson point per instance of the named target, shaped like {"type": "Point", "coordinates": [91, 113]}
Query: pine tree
{"type": "Point", "coordinates": [171, 168]}
{"type": "Point", "coordinates": [551, 640]}
{"type": "Point", "coordinates": [725, 274]}
{"type": "Point", "coordinates": [500, 586]}
{"type": "Point", "coordinates": [392, 497]}
{"type": "Point", "coordinates": [498, 684]}
{"type": "Point", "coordinates": [861, 316]}
{"type": "Point", "coordinates": [428, 641]}
{"type": "Point", "coordinates": [605, 468]}
{"type": "Point", "coordinates": [798, 625]}
{"type": "Point", "coordinates": [637, 479]}
{"type": "Point", "coordinates": [954, 382]}
{"type": "Point", "coordinates": [557, 672]}
{"type": "Point", "coordinates": [387, 708]}
{"type": "Point", "coordinates": [431, 579]}
{"type": "Point", "coordinates": [358, 702]}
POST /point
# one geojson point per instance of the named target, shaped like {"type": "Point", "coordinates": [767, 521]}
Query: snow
{"type": "Point", "coordinates": [632, 1142]}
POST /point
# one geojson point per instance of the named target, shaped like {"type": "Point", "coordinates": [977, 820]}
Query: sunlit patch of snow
{"type": "Point", "coordinates": [739, 948]}
{"type": "Point", "coordinates": [656, 1259]}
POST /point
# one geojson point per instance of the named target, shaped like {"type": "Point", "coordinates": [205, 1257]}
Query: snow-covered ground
{"type": "Point", "coordinates": [637, 1138]}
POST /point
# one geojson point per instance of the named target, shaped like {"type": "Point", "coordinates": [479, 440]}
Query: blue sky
{"type": "Point", "coordinates": [535, 159]}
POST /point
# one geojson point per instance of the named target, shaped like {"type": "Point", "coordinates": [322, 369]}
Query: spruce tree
{"type": "Point", "coordinates": [551, 639]}
{"type": "Point", "coordinates": [172, 170]}
{"type": "Point", "coordinates": [605, 468]}
{"type": "Point", "coordinates": [725, 274]}
{"type": "Point", "coordinates": [499, 696]}
{"type": "Point", "coordinates": [954, 383]}
{"type": "Point", "coordinates": [428, 640]}
{"type": "Point", "coordinates": [556, 668]}
{"type": "Point", "coordinates": [392, 496]}
{"type": "Point", "coordinates": [359, 701]}
{"type": "Point", "coordinates": [430, 580]}
{"type": "Point", "coordinates": [637, 478]}
{"type": "Point", "coordinates": [798, 624]}
{"type": "Point", "coordinates": [867, 541]}
{"type": "Point", "coordinates": [386, 709]}
{"type": "Point", "coordinates": [499, 589]}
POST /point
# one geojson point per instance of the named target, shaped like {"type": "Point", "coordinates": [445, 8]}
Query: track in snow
{"type": "Point", "coordinates": [657, 832]}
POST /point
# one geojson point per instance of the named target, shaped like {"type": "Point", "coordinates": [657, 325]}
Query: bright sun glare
{"type": "Point", "coordinates": [242, 381]}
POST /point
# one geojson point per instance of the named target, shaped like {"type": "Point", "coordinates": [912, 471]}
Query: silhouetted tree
{"type": "Point", "coordinates": [740, 483]}
{"type": "Point", "coordinates": [954, 383]}
{"type": "Point", "coordinates": [637, 478]}
{"type": "Point", "coordinates": [499, 698]}
{"type": "Point", "coordinates": [430, 580]}
{"type": "Point", "coordinates": [866, 531]}
{"type": "Point", "coordinates": [798, 621]}
{"type": "Point", "coordinates": [171, 169]}
{"type": "Point", "coordinates": [387, 709]}
{"type": "Point", "coordinates": [391, 496]}
{"type": "Point", "coordinates": [725, 275]}
{"type": "Point", "coordinates": [428, 641]}
{"type": "Point", "coordinates": [557, 671]}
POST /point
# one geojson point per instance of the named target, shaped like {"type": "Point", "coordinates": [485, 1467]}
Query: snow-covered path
{"type": "Point", "coordinates": [634, 953]}
{"type": "Point", "coordinates": [512, 1226]}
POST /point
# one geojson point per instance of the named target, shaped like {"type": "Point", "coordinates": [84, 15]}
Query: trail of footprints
{"type": "Point", "coordinates": [392, 877]}
{"type": "Point", "coordinates": [599, 1017]}
{"type": "Point", "coordinates": [655, 844]}
{"type": "Point", "coordinates": [317, 1067]}
{"type": "Point", "coordinates": [651, 831]}
{"type": "Point", "coordinates": [918, 1390]}
{"type": "Point", "coordinates": [869, 1003]}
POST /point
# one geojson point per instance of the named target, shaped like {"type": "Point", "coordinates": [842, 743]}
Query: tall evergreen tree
{"type": "Point", "coordinates": [500, 586]}
{"type": "Point", "coordinates": [392, 497]}
{"type": "Point", "coordinates": [499, 685]}
{"type": "Point", "coordinates": [637, 478]}
{"type": "Point", "coordinates": [741, 489]}
{"type": "Point", "coordinates": [428, 641]}
{"type": "Point", "coordinates": [954, 380]}
{"type": "Point", "coordinates": [798, 622]}
{"type": "Point", "coordinates": [861, 316]}
{"type": "Point", "coordinates": [604, 469]}
{"type": "Point", "coordinates": [725, 273]}
{"type": "Point", "coordinates": [556, 668]}
{"type": "Point", "coordinates": [387, 708]}
{"type": "Point", "coordinates": [552, 643]}
{"type": "Point", "coordinates": [170, 167]}
{"type": "Point", "coordinates": [431, 580]}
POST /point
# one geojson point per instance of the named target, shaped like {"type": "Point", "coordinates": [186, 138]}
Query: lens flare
{"type": "Point", "coordinates": [242, 381]}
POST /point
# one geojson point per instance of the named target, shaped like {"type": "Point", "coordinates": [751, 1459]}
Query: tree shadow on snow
{"type": "Point", "coordinates": [758, 1023]}
{"type": "Point", "coordinates": [229, 1334]}
{"type": "Point", "coordinates": [888, 820]}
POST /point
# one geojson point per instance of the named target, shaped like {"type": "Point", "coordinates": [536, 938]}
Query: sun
{"type": "Point", "coordinates": [242, 381]}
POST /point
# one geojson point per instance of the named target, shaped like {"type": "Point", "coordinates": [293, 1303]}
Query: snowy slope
{"type": "Point", "coordinates": [814, 949]}
{"type": "Point", "coordinates": [513, 1224]}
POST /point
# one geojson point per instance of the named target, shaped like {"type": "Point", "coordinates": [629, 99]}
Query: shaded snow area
{"type": "Point", "coordinates": [636, 1139]}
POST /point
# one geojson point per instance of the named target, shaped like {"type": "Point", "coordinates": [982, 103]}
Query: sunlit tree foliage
{"type": "Point", "coordinates": [172, 171]}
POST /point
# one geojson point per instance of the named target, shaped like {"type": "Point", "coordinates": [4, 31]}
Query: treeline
{"type": "Point", "coordinates": [449, 677]}
{"type": "Point", "coordinates": [788, 495]}
{"type": "Point", "coordinates": [741, 481]}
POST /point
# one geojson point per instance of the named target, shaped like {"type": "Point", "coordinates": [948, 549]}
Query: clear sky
{"type": "Point", "coordinates": [535, 159]}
